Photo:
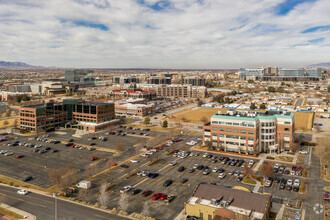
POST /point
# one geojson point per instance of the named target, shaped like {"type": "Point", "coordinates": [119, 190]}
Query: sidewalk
{"type": "Point", "coordinates": [18, 211]}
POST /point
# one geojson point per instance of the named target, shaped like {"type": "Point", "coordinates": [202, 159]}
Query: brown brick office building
{"type": "Point", "coordinates": [88, 116]}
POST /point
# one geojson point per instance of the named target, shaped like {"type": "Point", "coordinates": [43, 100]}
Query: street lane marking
{"type": "Point", "coordinates": [27, 196]}
{"type": "Point", "coordinates": [23, 200]}
{"type": "Point", "coordinates": [100, 216]}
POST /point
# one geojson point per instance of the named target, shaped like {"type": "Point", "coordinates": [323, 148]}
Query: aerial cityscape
{"type": "Point", "coordinates": [165, 110]}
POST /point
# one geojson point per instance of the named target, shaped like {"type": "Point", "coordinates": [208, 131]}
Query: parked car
{"type": "Point", "coordinates": [146, 193]}
{"type": "Point", "coordinates": [184, 180]}
{"type": "Point", "coordinates": [163, 197]}
{"type": "Point", "coordinates": [94, 158]}
{"type": "Point", "coordinates": [28, 178]}
{"type": "Point", "coordinates": [125, 189]}
{"type": "Point", "coordinates": [156, 196]}
{"type": "Point", "coordinates": [181, 169]}
{"type": "Point", "coordinates": [222, 175]}
{"type": "Point", "coordinates": [173, 163]}
{"type": "Point", "coordinates": [303, 152]}
{"type": "Point", "coordinates": [169, 198]}
{"type": "Point", "coordinates": [19, 156]}
{"type": "Point", "coordinates": [124, 166]}
{"type": "Point", "coordinates": [167, 183]}
{"type": "Point", "coordinates": [136, 191]}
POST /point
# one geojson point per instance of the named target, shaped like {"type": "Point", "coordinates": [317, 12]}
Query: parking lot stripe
{"type": "Point", "coordinates": [139, 183]}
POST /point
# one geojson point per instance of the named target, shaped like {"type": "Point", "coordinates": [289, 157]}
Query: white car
{"type": "Point", "coordinates": [8, 153]}
{"type": "Point", "coordinates": [149, 153]}
{"type": "Point", "coordinates": [289, 182]}
{"type": "Point", "coordinates": [293, 173]}
{"type": "Point", "coordinates": [125, 189]}
{"type": "Point", "coordinates": [222, 175]}
{"type": "Point", "coordinates": [195, 166]}
{"type": "Point", "coordinates": [215, 170]}
{"type": "Point", "coordinates": [205, 155]}
{"type": "Point", "coordinates": [296, 182]}
{"type": "Point", "coordinates": [303, 152]}
{"type": "Point", "coordinates": [134, 161]}
{"type": "Point", "coordinates": [173, 163]}
{"type": "Point", "coordinates": [22, 192]}
{"type": "Point", "coordinates": [144, 155]}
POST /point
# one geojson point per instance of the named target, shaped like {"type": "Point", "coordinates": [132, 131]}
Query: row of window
{"type": "Point", "coordinates": [242, 124]}
{"type": "Point", "coordinates": [231, 136]}
{"type": "Point", "coordinates": [267, 124]}
{"type": "Point", "coordinates": [230, 130]}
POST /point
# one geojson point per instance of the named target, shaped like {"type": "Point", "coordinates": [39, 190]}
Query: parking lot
{"type": "Point", "coordinates": [182, 191]}
{"type": "Point", "coordinates": [38, 165]}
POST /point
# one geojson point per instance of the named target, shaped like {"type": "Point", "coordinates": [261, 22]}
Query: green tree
{"type": "Point", "coordinates": [253, 106]}
{"type": "Point", "coordinates": [25, 98]}
{"type": "Point", "coordinates": [165, 124]}
{"type": "Point", "coordinates": [18, 99]}
{"type": "Point", "coordinates": [271, 89]}
{"type": "Point", "coordinates": [250, 81]}
{"type": "Point", "coordinates": [233, 92]}
{"type": "Point", "coordinates": [146, 121]}
{"type": "Point", "coordinates": [262, 106]}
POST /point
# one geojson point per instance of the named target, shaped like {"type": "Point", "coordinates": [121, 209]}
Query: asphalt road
{"type": "Point", "coordinates": [43, 207]}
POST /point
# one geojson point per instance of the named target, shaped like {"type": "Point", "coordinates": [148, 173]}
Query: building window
{"type": "Point", "coordinates": [235, 131]}
{"type": "Point", "coordinates": [250, 139]}
{"type": "Point", "coordinates": [222, 123]}
{"type": "Point", "coordinates": [229, 123]}
{"type": "Point", "coordinates": [214, 135]}
{"type": "Point", "coordinates": [221, 135]}
{"type": "Point", "coordinates": [287, 123]}
{"type": "Point", "coordinates": [221, 129]}
{"type": "Point", "coordinates": [214, 122]}
{"type": "Point", "coordinates": [286, 129]}
{"type": "Point", "coordinates": [287, 135]}
{"type": "Point", "coordinates": [250, 132]}
{"type": "Point", "coordinates": [228, 130]}
{"type": "Point", "coordinates": [243, 138]}
{"type": "Point", "coordinates": [243, 131]}
{"type": "Point", "coordinates": [236, 124]}
{"type": "Point", "coordinates": [214, 128]}
{"type": "Point", "coordinates": [251, 125]}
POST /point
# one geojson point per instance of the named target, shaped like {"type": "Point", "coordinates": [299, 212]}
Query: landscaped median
{"type": "Point", "coordinates": [153, 162]}
{"type": "Point", "coordinates": [303, 188]}
{"type": "Point", "coordinates": [248, 180]}
{"type": "Point", "coordinates": [284, 158]}
{"type": "Point", "coordinates": [9, 214]}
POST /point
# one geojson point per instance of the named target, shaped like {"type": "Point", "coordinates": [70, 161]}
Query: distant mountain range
{"type": "Point", "coordinates": [14, 64]}
{"type": "Point", "coordinates": [320, 65]}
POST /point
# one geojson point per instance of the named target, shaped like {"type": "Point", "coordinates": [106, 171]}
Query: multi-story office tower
{"type": "Point", "coordinates": [82, 77]}
{"type": "Point", "coordinates": [316, 72]}
{"type": "Point", "coordinates": [271, 71]}
{"type": "Point", "coordinates": [193, 80]}
{"type": "Point", "coordinates": [90, 116]}
{"type": "Point", "coordinates": [159, 80]}
{"type": "Point", "coordinates": [254, 74]}
{"type": "Point", "coordinates": [250, 132]}
{"type": "Point", "coordinates": [292, 72]}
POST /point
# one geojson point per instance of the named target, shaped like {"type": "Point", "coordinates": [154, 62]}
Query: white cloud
{"type": "Point", "coordinates": [187, 34]}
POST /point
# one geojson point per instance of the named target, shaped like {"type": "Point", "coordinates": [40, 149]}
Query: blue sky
{"type": "Point", "coordinates": [165, 33]}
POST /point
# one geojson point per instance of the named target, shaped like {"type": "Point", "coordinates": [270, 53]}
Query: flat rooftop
{"type": "Point", "coordinates": [253, 114]}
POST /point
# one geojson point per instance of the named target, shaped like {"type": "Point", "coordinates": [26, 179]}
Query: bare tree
{"type": "Point", "coordinates": [267, 169]}
{"type": "Point", "coordinates": [63, 177]}
{"type": "Point", "coordinates": [123, 202]}
{"type": "Point", "coordinates": [294, 146]}
{"type": "Point", "coordinates": [85, 195]}
{"type": "Point", "coordinates": [5, 123]}
{"type": "Point", "coordinates": [249, 172]}
{"type": "Point", "coordinates": [208, 144]}
{"type": "Point", "coordinates": [103, 197]}
{"type": "Point", "coordinates": [8, 113]}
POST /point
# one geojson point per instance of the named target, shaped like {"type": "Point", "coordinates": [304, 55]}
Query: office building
{"type": "Point", "coordinates": [57, 86]}
{"type": "Point", "coordinates": [181, 91]}
{"type": "Point", "coordinates": [316, 72]}
{"type": "Point", "coordinates": [212, 202]}
{"type": "Point", "coordinates": [81, 77]}
{"type": "Point", "coordinates": [292, 72]}
{"type": "Point", "coordinates": [125, 79]}
{"type": "Point", "coordinates": [271, 71]}
{"type": "Point", "coordinates": [254, 74]}
{"type": "Point", "coordinates": [250, 132]}
{"type": "Point", "coordinates": [87, 116]}
{"type": "Point", "coordinates": [159, 80]}
{"type": "Point", "coordinates": [130, 109]}
{"type": "Point", "coordinates": [193, 80]}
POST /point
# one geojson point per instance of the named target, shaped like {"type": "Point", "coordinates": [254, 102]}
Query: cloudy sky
{"type": "Point", "coordinates": [165, 33]}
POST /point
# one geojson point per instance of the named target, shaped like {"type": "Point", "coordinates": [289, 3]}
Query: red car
{"type": "Point", "coordinates": [146, 193]}
{"type": "Point", "coordinates": [176, 151]}
{"type": "Point", "coordinates": [94, 158]}
{"type": "Point", "coordinates": [164, 196]}
{"type": "Point", "coordinates": [294, 168]}
{"type": "Point", "coordinates": [300, 168]}
{"type": "Point", "coordinates": [19, 156]}
{"type": "Point", "coordinates": [2, 140]}
{"type": "Point", "coordinates": [4, 133]}
{"type": "Point", "coordinates": [159, 148]}
{"type": "Point", "coordinates": [112, 164]}
{"type": "Point", "coordinates": [168, 138]}
{"type": "Point", "coordinates": [156, 196]}
{"type": "Point", "coordinates": [73, 145]}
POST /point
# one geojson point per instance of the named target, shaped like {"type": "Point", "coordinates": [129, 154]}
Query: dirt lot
{"type": "Point", "coordinates": [303, 120]}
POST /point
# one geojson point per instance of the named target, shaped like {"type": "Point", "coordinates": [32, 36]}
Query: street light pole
{"type": "Point", "coordinates": [54, 195]}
